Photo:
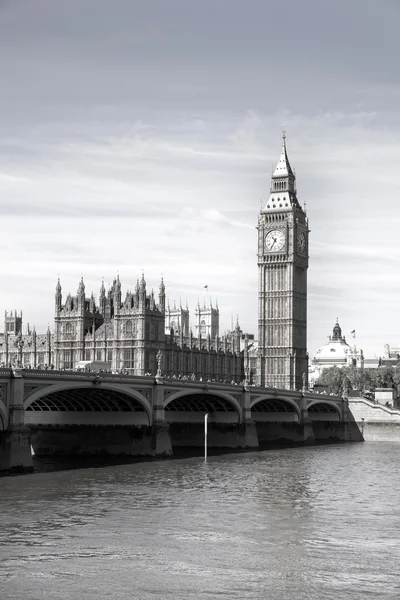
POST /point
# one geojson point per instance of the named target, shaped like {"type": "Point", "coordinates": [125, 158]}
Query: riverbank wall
{"type": "Point", "coordinates": [376, 422]}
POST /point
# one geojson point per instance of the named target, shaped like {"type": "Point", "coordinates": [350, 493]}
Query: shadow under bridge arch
{"type": "Point", "coordinates": [273, 408]}
{"type": "Point", "coordinates": [324, 411]}
{"type": "Point", "coordinates": [87, 404]}
{"type": "Point", "coordinates": [191, 406]}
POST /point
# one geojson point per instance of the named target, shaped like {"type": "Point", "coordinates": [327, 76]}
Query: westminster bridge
{"type": "Point", "coordinates": [64, 412]}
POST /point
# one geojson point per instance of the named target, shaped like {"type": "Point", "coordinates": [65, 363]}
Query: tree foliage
{"type": "Point", "coordinates": [360, 379]}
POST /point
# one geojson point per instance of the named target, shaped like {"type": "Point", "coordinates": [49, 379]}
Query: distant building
{"type": "Point", "coordinates": [336, 353]}
{"type": "Point", "coordinates": [31, 348]}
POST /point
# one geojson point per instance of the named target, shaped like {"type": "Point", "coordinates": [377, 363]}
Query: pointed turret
{"type": "Point", "coordinates": [283, 195]}
{"type": "Point", "coordinates": [58, 298]}
{"type": "Point", "coordinates": [142, 292]}
{"type": "Point", "coordinates": [152, 301]}
{"type": "Point", "coordinates": [102, 299]}
{"type": "Point", "coordinates": [81, 288]}
{"type": "Point", "coordinates": [237, 335]}
{"type": "Point", "coordinates": [68, 302]}
{"type": "Point", "coordinates": [117, 295]}
{"type": "Point", "coordinates": [92, 304]}
{"type": "Point", "coordinates": [81, 296]}
{"type": "Point", "coordinates": [161, 296]}
{"type": "Point", "coordinates": [237, 326]}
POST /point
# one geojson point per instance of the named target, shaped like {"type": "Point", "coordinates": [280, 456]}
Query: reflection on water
{"type": "Point", "coordinates": [284, 524]}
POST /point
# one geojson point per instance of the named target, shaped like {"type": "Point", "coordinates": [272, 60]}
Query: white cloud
{"type": "Point", "coordinates": [160, 164]}
{"type": "Point", "coordinates": [99, 206]}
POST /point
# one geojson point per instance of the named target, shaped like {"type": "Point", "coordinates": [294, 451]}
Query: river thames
{"type": "Point", "coordinates": [287, 524]}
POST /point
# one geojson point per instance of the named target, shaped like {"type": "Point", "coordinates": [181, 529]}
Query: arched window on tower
{"type": "Point", "coordinates": [68, 327]}
{"type": "Point", "coordinates": [203, 328]}
{"type": "Point", "coordinates": [128, 328]}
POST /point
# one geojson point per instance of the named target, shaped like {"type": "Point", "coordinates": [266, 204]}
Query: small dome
{"type": "Point", "coordinates": [337, 332]}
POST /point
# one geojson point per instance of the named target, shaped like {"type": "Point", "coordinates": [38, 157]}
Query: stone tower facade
{"type": "Point", "coordinates": [282, 283]}
{"type": "Point", "coordinates": [206, 320]}
{"type": "Point", "coordinates": [125, 333]}
{"type": "Point", "coordinates": [13, 322]}
{"type": "Point", "coordinates": [177, 319]}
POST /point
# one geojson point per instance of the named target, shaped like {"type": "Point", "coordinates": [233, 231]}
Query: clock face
{"type": "Point", "coordinates": [274, 240]}
{"type": "Point", "coordinates": [301, 242]}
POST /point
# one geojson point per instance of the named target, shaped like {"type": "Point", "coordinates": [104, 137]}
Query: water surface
{"type": "Point", "coordinates": [313, 523]}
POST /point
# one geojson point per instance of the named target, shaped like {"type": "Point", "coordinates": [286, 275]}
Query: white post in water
{"type": "Point", "coordinates": [205, 437]}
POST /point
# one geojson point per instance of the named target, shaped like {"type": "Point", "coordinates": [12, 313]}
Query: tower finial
{"type": "Point", "coordinates": [284, 134]}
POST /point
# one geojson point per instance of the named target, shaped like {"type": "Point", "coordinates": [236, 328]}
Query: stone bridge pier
{"type": "Point", "coordinates": [69, 413]}
{"type": "Point", "coordinates": [15, 436]}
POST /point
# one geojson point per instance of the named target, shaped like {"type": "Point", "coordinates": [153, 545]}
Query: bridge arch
{"type": "Point", "coordinates": [324, 407]}
{"type": "Point", "coordinates": [271, 404]}
{"type": "Point", "coordinates": [200, 400]}
{"type": "Point", "coordinates": [89, 397]}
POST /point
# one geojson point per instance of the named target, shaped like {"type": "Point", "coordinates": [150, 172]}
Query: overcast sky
{"type": "Point", "coordinates": [140, 135]}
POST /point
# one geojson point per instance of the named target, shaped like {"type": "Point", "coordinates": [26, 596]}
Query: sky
{"type": "Point", "coordinates": [140, 136]}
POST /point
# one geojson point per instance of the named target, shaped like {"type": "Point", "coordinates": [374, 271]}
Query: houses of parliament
{"type": "Point", "coordinates": [127, 332]}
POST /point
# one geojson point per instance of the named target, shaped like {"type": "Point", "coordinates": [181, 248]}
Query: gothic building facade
{"type": "Point", "coordinates": [127, 334]}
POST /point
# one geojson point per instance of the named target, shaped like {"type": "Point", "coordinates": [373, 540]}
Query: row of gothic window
{"type": "Point", "coordinates": [276, 218]}
{"type": "Point", "coordinates": [280, 185]}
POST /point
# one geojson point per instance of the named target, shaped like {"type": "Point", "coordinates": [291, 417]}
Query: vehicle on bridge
{"type": "Point", "coordinates": [93, 365]}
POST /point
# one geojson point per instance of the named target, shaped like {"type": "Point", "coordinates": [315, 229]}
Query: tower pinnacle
{"type": "Point", "coordinates": [283, 195]}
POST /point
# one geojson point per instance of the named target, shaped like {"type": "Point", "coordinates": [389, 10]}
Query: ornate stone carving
{"type": "Point", "coordinates": [236, 396]}
{"type": "Point", "coordinates": [146, 393]}
{"type": "Point", "coordinates": [19, 344]}
{"type": "Point", "coordinates": [28, 389]}
{"type": "Point", "coordinates": [168, 393]}
{"type": "Point", "coordinates": [160, 362]}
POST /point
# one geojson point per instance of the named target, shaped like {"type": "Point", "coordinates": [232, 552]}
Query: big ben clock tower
{"type": "Point", "coordinates": [282, 283]}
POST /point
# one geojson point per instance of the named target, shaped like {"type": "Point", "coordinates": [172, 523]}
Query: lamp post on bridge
{"type": "Point", "coordinates": [205, 436]}
{"type": "Point", "coordinates": [19, 344]}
